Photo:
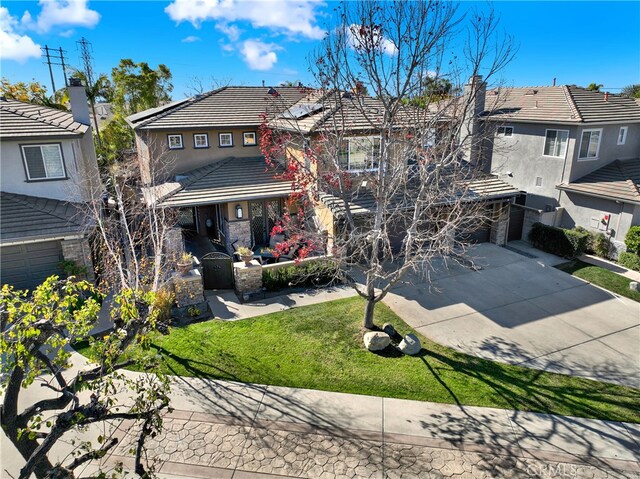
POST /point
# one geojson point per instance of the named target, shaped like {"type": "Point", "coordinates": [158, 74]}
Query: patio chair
{"type": "Point", "coordinates": [274, 240]}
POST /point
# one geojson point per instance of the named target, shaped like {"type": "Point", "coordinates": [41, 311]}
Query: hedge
{"type": "Point", "coordinates": [317, 273]}
{"type": "Point", "coordinates": [629, 260]}
{"type": "Point", "coordinates": [559, 241]}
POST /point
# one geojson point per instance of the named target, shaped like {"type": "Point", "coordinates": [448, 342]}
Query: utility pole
{"type": "Point", "coordinates": [86, 59]}
{"type": "Point", "coordinates": [55, 57]}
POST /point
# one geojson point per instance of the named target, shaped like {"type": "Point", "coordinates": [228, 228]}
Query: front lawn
{"type": "Point", "coordinates": [320, 347]}
{"type": "Point", "coordinates": [604, 278]}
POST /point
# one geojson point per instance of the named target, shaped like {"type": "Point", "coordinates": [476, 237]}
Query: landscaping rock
{"type": "Point", "coordinates": [390, 330]}
{"type": "Point", "coordinates": [376, 340]}
{"type": "Point", "coordinates": [410, 345]}
{"type": "Point", "coordinates": [634, 286]}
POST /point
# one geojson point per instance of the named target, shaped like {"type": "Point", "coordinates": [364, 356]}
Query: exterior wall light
{"type": "Point", "coordinates": [239, 212]}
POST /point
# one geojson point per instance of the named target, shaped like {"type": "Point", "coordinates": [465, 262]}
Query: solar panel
{"type": "Point", "coordinates": [302, 109]}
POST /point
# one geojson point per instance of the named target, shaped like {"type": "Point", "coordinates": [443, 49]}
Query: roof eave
{"type": "Point", "coordinates": [569, 189]}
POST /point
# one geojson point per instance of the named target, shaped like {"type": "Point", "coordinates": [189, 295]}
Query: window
{"type": "Point", "coordinates": [360, 153]}
{"type": "Point", "coordinates": [225, 140]}
{"type": "Point", "coordinates": [555, 144]}
{"type": "Point", "coordinates": [175, 142]}
{"type": "Point", "coordinates": [590, 144]}
{"type": "Point", "coordinates": [622, 135]}
{"type": "Point", "coordinates": [249, 138]}
{"type": "Point", "coordinates": [200, 140]}
{"type": "Point", "coordinates": [504, 131]}
{"type": "Point", "coordinates": [43, 162]}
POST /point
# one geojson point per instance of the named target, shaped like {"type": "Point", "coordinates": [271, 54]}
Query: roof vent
{"type": "Point", "coordinates": [273, 92]}
{"type": "Point", "coordinates": [606, 96]}
{"type": "Point", "coordinates": [531, 92]}
{"type": "Point", "coordinates": [348, 95]}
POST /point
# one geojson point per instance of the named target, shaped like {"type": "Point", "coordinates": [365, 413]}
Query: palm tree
{"type": "Point", "coordinates": [594, 86]}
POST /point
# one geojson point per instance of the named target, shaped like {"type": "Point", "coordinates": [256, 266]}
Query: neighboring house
{"type": "Point", "coordinates": [573, 151]}
{"type": "Point", "coordinates": [104, 114]}
{"type": "Point", "coordinates": [207, 148]}
{"type": "Point", "coordinates": [48, 169]}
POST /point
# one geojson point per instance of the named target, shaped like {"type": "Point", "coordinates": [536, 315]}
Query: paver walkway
{"type": "Point", "coordinates": [231, 430]}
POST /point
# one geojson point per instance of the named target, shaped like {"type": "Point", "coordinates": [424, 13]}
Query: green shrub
{"type": "Point", "coordinates": [558, 241]}
{"type": "Point", "coordinates": [317, 273]}
{"type": "Point", "coordinates": [600, 245]}
{"type": "Point", "coordinates": [632, 240]}
{"type": "Point", "coordinates": [629, 260]}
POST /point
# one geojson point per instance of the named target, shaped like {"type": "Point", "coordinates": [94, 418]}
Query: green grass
{"type": "Point", "coordinates": [604, 278]}
{"type": "Point", "coordinates": [320, 347]}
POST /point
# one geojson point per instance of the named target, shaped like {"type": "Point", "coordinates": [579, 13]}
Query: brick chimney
{"type": "Point", "coordinates": [78, 101]}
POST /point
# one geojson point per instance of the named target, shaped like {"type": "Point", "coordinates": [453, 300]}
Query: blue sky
{"type": "Point", "coordinates": [246, 42]}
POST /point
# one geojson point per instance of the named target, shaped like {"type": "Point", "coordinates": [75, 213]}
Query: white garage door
{"type": "Point", "coordinates": [26, 266]}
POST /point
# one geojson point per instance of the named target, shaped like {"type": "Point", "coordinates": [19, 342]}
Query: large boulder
{"type": "Point", "coordinates": [410, 345]}
{"type": "Point", "coordinates": [376, 340]}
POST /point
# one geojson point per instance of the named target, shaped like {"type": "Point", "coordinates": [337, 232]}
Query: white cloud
{"type": "Point", "coordinates": [65, 13]}
{"type": "Point", "coordinates": [259, 55]}
{"type": "Point", "coordinates": [297, 17]}
{"type": "Point", "coordinates": [231, 31]}
{"type": "Point", "coordinates": [191, 39]}
{"type": "Point", "coordinates": [361, 37]}
{"type": "Point", "coordinates": [14, 46]}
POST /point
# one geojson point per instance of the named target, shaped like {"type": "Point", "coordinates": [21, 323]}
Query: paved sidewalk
{"type": "Point", "coordinates": [232, 430]}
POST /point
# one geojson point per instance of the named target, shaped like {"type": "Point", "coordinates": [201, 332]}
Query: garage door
{"type": "Point", "coordinates": [26, 266]}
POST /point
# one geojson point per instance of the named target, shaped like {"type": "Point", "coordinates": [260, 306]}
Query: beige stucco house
{"type": "Point", "coordinates": [48, 170]}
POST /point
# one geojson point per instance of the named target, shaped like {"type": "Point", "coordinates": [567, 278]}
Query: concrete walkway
{"type": "Point", "coordinates": [516, 308]}
{"type": "Point", "coordinates": [231, 430]}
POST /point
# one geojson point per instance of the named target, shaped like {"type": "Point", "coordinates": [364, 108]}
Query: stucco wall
{"type": "Point", "coordinates": [188, 158]}
{"type": "Point", "coordinates": [13, 176]}
{"type": "Point", "coordinates": [522, 156]}
{"type": "Point", "coordinates": [609, 149]}
{"type": "Point", "coordinates": [587, 212]}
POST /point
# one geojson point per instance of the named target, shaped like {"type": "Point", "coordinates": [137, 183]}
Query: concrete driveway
{"type": "Point", "coordinates": [520, 310]}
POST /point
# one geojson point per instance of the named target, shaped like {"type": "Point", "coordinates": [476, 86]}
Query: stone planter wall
{"type": "Point", "coordinates": [188, 289]}
{"type": "Point", "coordinates": [248, 278]}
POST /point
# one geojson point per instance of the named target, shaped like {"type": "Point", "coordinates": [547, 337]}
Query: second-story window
{"type": "Point", "coordinates": [225, 140]}
{"type": "Point", "coordinates": [360, 153]}
{"type": "Point", "coordinates": [175, 142]}
{"type": "Point", "coordinates": [43, 162]}
{"type": "Point", "coordinates": [200, 140]}
{"type": "Point", "coordinates": [504, 131]}
{"type": "Point", "coordinates": [555, 143]}
{"type": "Point", "coordinates": [590, 144]}
{"type": "Point", "coordinates": [622, 135]}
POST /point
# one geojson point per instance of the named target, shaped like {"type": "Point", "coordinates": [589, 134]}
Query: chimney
{"type": "Point", "coordinates": [78, 101]}
{"type": "Point", "coordinates": [473, 99]}
{"type": "Point", "coordinates": [606, 96]}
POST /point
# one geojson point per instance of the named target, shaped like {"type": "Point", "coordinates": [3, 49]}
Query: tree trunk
{"type": "Point", "coordinates": [368, 313]}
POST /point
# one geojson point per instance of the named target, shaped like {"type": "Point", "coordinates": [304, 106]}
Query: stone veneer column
{"type": "Point", "coordinates": [248, 278]}
{"type": "Point", "coordinates": [240, 231]}
{"type": "Point", "coordinates": [79, 251]}
{"type": "Point", "coordinates": [500, 224]}
{"type": "Point", "coordinates": [188, 289]}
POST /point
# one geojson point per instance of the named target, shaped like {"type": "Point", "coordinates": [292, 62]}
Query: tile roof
{"type": "Point", "coordinates": [619, 180]}
{"type": "Point", "coordinates": [225, 107]}
{"type": "Point", "coordinates": [342, 113]}
{"type": "Point", "coordinates": [24, 120]}
{"type": "Point", "coordinates": [560, 104]}
{"type": "Point", "coordinates": [232, 179]}
{"type": "Point", "coordinates": [31, 217]}
{"type": "Point", "coordinates": [482, 188]}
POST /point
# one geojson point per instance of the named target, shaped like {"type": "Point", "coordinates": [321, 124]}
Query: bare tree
{"type": "Point", "coordinates": [399, 171]}
{"type": "Point", "coordinates": [131, 239]}
{"type": "Point", "coordinates": [197, 85]}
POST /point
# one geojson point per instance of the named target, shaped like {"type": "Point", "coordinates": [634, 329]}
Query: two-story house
{"type": "Point", "coordinates": [574, 152]}
{"type": "Point", "coordinates": [48, 170]}
{"type": "Point", "coordinates": [202, 155]}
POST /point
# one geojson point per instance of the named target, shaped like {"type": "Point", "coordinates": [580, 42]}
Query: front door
{"type": "Point", "coordinates": [263, 215]}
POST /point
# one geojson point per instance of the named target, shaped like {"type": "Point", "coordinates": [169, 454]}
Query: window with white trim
{"type": "Point", "coordinates": [249, 138]}
{"type": "Point", "coordinates": [590, 144]}
{"type": "Point", "coordinates": [505, 131]}
{"type": "Point", "coordinates": [225, 140]}
{"type": "Point", "coordinates": [622, 135]}
{"type": "Point", "coordinates": [175, 142]}
{"type": "Point", "coordinates": [43, 162]}
{"type": "Point", "coordinates": [359, 153]}
{"type": "Point", "coordinates": [555, 143]}
{"type": "Point", "coordinates": [200, 140]}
